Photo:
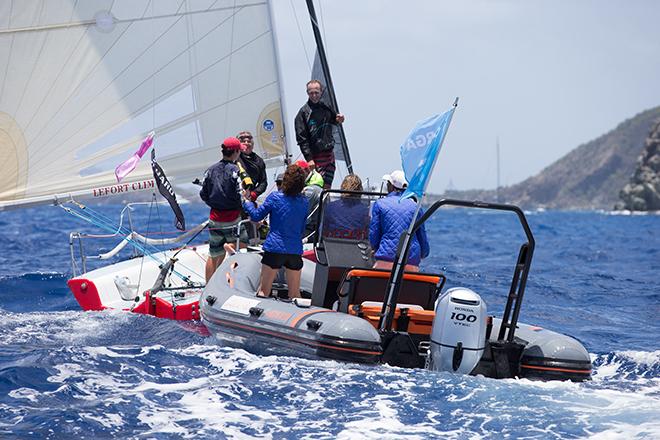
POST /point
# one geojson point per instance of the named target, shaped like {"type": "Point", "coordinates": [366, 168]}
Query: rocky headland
{"type": "Point", "coordinates": [592, 175]}
{"type": "Point", "coordinates": [642, 193]}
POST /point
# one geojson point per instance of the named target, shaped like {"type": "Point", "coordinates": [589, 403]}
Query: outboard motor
{"type": "Point", "coordinates": [458, 335]}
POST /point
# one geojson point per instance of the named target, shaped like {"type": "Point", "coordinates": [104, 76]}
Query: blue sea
{"type": "Point", "coordinates": [65, 373]}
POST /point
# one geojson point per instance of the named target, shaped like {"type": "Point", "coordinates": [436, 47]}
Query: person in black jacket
{"type": "Point", "coordinates": [314, 123]}
{"type": "Point", "coordinates": [254, 165]}
{"type": "Point", "coordinates": [221, 191]}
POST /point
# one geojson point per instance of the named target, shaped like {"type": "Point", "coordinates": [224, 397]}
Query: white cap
{"type": "Point", "coordinates": [397, 179]}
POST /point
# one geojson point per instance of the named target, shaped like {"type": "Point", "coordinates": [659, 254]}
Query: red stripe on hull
{"type": "Point", "coordinates": [87, 295]}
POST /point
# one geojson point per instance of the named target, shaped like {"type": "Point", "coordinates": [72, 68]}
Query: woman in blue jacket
{"type": "Point", "coordinates": [283, 246]}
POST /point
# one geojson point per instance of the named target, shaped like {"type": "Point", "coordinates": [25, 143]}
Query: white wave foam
{"type": "Point", "coordinates": [647, 358]}
{"type": "Point", "coordinates": [626, 431]}
{"type": "Point", "coordinates": [25, 393]}
{"type": "Point", "coordinates": [69, 328]}
{"type": "Point", "coordinates": [208, 391]}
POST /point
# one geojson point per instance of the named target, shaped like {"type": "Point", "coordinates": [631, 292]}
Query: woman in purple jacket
{"type": "Point", "coordinates": [283, 246]}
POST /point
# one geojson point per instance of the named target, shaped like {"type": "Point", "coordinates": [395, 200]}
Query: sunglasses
{"type": "Point", "coordinates": [245, 138]}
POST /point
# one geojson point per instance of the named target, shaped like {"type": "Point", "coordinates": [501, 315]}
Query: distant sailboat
{"type": "Point", "coordinates": [498, 196]}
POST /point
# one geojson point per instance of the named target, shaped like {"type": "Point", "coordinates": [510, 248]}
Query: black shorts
{"type": "Point", "coordinates": [275, 260]}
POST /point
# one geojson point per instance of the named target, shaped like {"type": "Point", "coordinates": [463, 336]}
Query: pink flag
{"type": "Point", "coordinates": [124, 168]}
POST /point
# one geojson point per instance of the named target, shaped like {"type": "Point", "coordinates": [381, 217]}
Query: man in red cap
{"type": "Point", "coordinates": [313, 176]}
{"type": "Point", "coordinates": [221, 191]}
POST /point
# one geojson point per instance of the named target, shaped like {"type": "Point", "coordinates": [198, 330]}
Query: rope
{"type": "Point", "coordinates": [101, 221]}
{"type": "Point", "coordinates": [295, 15]}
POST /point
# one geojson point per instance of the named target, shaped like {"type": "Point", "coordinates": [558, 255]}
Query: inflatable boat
{"type": "Point", "coordinates": [351, 312]}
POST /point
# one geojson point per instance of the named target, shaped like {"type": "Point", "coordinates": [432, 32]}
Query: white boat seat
{"type": "Point", "coordinates": [399, 306]}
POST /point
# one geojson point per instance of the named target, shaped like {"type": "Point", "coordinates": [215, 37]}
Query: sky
{"type": "Point", "coordinates": [541, 76]}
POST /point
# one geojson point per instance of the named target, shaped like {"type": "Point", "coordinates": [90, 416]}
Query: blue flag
{"type": "Point", "coordinates": [420, 150]}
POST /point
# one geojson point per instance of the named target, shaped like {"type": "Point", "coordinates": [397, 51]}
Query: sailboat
{"type": "Point", "coordinates": [83, 83]}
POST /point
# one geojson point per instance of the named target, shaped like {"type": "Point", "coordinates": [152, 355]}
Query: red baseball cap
{"type": "Point", "coordinates": [302, 164]}
{"type": "Point", "coordinates": [231, 143]}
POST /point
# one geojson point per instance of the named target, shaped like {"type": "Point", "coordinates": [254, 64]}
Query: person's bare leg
{"type": "Point", "coordinates": [268, 275]}
{"type": "Point", "coordinates": [380, 264]}
{"type": "Point", "coordinates": [229, 249]}
{"type": "Point", "coordinates": [388, 265]}
{"type": "Point", "coordinates": [293, 281]}
{"type": "Point", "coordinates": [211, 266]}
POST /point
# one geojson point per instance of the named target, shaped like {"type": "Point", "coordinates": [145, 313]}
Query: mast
{"type": "Point", "coordinates": [329, 86]}
{"type": "Point", "coordinates": [497, 150]}
{"type": "Point", "coordinates": [283, 111]}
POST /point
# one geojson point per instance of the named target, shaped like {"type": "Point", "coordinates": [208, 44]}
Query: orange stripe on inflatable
{"type": "Point", "coordinates": [563, 370]}
{"type": "Point", "coordinates": [406, 276]}
{"type": "Point", "coordinates": [293, 338]}
{"type": "Point", "coordinates": [297, 319]}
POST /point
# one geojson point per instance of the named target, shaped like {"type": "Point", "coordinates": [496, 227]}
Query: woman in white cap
{"type": "Point", "coordinates": [391, 217]}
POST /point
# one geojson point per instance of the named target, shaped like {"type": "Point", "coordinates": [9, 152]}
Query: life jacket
{"type": "Point", "coordinates": [314, 178]}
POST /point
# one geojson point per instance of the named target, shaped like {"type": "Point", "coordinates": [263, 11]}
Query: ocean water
{"type": "Point", "coordinates": [65, 373]}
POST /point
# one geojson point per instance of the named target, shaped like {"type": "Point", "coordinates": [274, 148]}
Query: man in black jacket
{"type": "Point", "coordinates": [254, 165]}
{"type": "Point", "coordinates": [314, 123]}
{"type": "Point", "coordinates": [221, 191]}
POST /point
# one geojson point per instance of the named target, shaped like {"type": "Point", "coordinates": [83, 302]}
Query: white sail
{"type": "Point", "coordinates": [82, 82]}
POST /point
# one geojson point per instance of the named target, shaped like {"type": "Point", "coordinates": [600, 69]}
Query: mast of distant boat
{"type": "Point", "coordinates": [329, 86]}
{"type": "Point", "coordinates": [497, 190]}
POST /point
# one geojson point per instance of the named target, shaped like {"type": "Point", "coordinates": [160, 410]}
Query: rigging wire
{"type": "Point", "coordinates": [325, 39]}
{"type": "Point", "coordinates": [302, 40]}
{"type": "Point", "coordinates": [88, 215]}
{"type": "Point", "coordinates": [153, 199]}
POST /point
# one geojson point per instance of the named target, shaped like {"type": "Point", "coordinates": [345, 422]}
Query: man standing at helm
{"type": "Point", "coordinates": [314, 125]}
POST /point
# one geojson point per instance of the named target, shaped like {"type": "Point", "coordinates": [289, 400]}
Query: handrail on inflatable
{"type": "Point", "coordinates": [518, 283]}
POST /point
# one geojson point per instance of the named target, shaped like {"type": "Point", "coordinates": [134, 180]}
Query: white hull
{"type": "Point", "coordinates": [98, 289]}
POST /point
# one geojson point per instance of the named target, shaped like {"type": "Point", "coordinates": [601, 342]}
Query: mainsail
{"type": "Point", "coordinates": [83, 82]}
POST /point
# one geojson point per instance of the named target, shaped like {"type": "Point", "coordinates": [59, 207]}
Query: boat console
{"type": "Point", "coordinates": [342, 241]}
{"type": "Point", "coordinates": [334, 259]}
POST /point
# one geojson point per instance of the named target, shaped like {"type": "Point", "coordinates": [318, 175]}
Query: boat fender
{"type": "Point", "coordinates": [458, 335]}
